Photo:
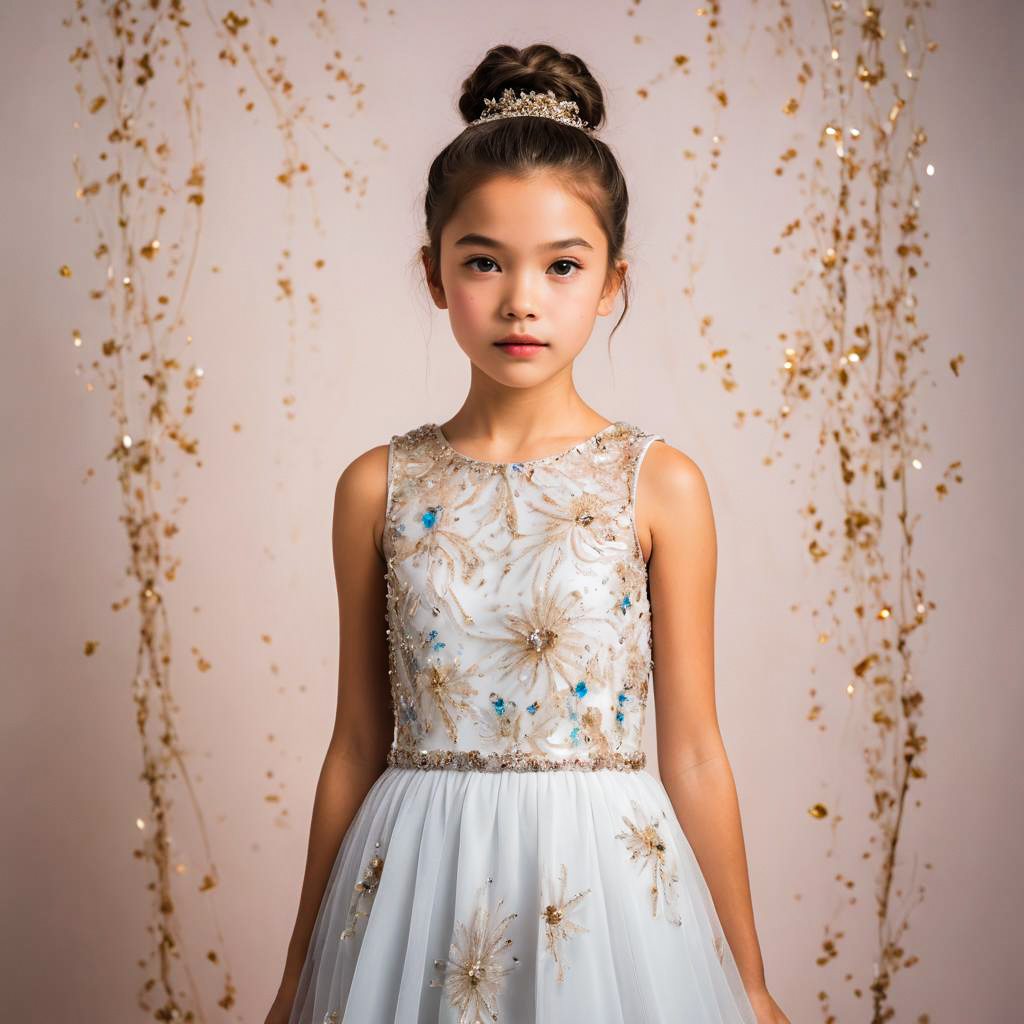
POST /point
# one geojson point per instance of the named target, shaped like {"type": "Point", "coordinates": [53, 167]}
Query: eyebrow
{"type": "Point", "coordinates": [493, 243]}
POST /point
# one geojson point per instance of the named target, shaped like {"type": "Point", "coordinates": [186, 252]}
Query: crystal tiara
{"type": "Point", "coordinates": [531, 104]}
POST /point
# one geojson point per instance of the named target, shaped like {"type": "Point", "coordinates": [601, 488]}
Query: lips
{"type": "Point", "coordinates": [520, 339]}
{"type": "Point", "coordinates": [520, 346]}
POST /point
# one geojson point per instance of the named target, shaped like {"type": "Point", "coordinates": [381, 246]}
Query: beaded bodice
{"type": "Point", "coordinates": [517, 605]}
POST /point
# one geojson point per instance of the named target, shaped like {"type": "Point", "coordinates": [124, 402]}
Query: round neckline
{"type": "Point", "coordinates": [447, 445]}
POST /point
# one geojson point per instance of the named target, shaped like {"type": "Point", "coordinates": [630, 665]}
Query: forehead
{"type": "Point", "coordinates": [524, 214]}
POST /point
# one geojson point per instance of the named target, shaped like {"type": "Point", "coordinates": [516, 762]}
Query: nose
{"type": "Point", "coordinates": [518, 302]}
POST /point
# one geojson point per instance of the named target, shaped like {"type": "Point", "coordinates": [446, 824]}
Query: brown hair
{"type": "Point", "coordinates": [519, 146]}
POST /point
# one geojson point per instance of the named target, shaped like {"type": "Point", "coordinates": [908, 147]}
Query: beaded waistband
{"type": "Point", "coordinates": [511, 761]}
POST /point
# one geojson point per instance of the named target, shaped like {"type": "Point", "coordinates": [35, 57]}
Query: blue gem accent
{"type": "Point", "coordinates": [517, 466]}
{"type": "Point", "coordinates": [499, 705]}
{"type": "Point", "coordinates": [619, 716]}
{"type": "Point", "coordinates": [533, 708]}
{"type": "Point", "coordinates": [575, 735]}
{"type": "Point", "coordinates": [429, 518]}
{"type": "Point", "coordinates": [439, 645]}
{"type": "Point", "coordinates": [580, 688]}
{"type": "Point", "coordinates": [626, 603]}
{"type": "Point", "coordinates": [573, 715]}
{"type": "Point", "coordinates": [432, 635]}
{"type": "Point", "coordinates": [623, 698]}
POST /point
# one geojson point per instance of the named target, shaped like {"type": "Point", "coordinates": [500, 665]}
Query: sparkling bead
{"type": "Point", "coordinates": [514, 761]}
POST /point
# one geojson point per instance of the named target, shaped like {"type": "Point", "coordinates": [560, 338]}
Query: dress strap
{"type": "Point", "coordinates": [641, 442]}
{"type": "Point", "coordinates": [392, 459]}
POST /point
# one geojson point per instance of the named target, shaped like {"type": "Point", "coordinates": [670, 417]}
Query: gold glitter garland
{"type": "Point", "coordinates": [144, 282]}
{"type": "Point", "coordinates": [136, 177]}
{"type": "Point", "coordinates": [856, 368]}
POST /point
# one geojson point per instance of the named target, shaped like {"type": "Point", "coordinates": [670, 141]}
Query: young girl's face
{"type": "Point", "coordinates": [524, 257]}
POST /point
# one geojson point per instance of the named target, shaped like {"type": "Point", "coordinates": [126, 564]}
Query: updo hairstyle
{"type": "Point", "coordinates": [520, 146]}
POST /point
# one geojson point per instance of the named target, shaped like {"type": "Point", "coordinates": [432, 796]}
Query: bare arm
{"type": "Point", "coordinates": [692, 761]}
{"type": "Point", "coordinates": [363, 724]}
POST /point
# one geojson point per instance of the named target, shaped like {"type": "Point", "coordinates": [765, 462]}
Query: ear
{"type": "Point", "coordinates": [436, 289]}
{"type": "Point", "coordinates": [615, 278]}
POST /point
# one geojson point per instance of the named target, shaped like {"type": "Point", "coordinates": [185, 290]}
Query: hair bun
{"type": "Point", "coordinates": [539, 67]}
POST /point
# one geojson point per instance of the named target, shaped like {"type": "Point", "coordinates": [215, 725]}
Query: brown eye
{"type": "Point", "coordinates": [566, 263]}
{"type": "Point", "coordinates": [478, 259]}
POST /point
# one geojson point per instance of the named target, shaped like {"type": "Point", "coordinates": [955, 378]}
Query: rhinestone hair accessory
{"type": "Point", "coordinates": [532, 104]}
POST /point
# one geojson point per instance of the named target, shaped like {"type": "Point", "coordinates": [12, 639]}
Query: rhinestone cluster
{"type": "Point", "coordinates": [512, 761]}
{"type": "Point", "coordinates": [532, 104]}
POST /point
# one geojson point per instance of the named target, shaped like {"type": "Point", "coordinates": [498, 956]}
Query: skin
{"type": "Point", "coordinates": [525, 409]}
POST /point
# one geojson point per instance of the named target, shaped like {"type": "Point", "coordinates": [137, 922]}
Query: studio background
{"type": "Point", "coordinates": [294, 388]}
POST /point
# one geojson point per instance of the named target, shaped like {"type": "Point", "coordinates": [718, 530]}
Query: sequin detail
{"type": "Point", "coordinates": [511, 761]}
{"type": "Point", "coordinates": [647, 846]}
{"type": "Point", "coordinates": [474, 972]}
{"type": "Point", "coordinates": [557, 926]}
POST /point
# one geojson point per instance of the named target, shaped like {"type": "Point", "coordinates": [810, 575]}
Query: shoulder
{"type": "Point", "coordinates": [672, 473]}
{"type": "Point", "coordinates": [673, 492]}
{"type": "Point", "coordinates": [663, 469]}
{"type": "Point", "coordinates": [360, 495]}
{"type": "Point", "coordinates": [366, 476]}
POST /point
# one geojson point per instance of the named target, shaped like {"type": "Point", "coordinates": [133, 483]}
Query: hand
{"type": "Point", "coordinates": [765, 1008]}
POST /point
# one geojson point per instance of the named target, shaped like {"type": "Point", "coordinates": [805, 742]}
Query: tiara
{"type": "Point", "coordinates": [531, 104]}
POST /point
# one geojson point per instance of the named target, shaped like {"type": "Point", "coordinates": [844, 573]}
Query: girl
{"type": "Point", "coordinates": [485, 844]}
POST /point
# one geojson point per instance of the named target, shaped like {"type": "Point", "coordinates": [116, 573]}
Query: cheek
{"type": "Point", "coordinates": [463, 303]}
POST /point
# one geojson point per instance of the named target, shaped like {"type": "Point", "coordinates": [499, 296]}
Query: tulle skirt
{"type": "Point", "coordinates": [518, 897]}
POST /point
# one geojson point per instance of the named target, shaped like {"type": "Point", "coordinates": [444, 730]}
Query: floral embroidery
{"type": "Point", "coordinates": [647, 846]}
{"type": "Point", "coordinates": [474, 971]}
{"type": "Point", "coordinates": [331, 1017]}
{"type": "Point", "coordinates": [518, 617]}
{"type": "Point", "coordinates": [557, 927]}
{"type": "Point", "coordinates": [720, 948]}
{"type": "Point", "coordinates": [363, 893]}
{"type": "Point", "coordinates": [547, 638]}
{"type": "Point", "coordinates": [443, 687]}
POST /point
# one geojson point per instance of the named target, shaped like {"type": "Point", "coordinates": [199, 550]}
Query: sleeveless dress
{"type": "Point", "coordinates": [515, 862]}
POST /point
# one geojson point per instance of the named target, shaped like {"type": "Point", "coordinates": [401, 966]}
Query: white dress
{"type": "Point", "coordinates": [515, 862]}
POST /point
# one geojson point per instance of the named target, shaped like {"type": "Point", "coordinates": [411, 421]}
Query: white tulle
{"type": "Point", "coordinates": [443, 833]}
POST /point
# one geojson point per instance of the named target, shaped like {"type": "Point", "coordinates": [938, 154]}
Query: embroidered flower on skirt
{"type": "Point", "coordinates": [557, 926]}
{"type": "Point", "coordinates": [647, 846]}
{"type": "Point", "coordinates": [474, 972]}
{"type": "Point", "coordinates": [364, 891]}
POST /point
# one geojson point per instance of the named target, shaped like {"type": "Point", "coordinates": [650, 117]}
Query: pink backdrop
{"type": "Point", "coordinates": [255, 538]}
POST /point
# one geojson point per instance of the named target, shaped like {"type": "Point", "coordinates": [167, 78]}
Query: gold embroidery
{"type": "Point", "coordinates": [364, 891]}
{"type": "Point", "coordinates": [474, 972]}
{"type": "Point", "coordinates": [549, 637]}
{"type": "Point", "coordinates": [518, 618]}
{"type": "Point", "coordinates": [558, 928]}
{"type": "Point", "coordinates": [646, 845]}
{"type": "Point", "coordinates": [445, 687]}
